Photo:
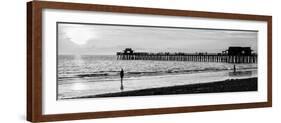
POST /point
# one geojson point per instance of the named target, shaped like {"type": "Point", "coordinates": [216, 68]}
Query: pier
{"type": "Point", "coordinates": [232, 55]}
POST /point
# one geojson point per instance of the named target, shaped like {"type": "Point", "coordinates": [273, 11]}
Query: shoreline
{"type": "Point", "coordinates": [230, 85]}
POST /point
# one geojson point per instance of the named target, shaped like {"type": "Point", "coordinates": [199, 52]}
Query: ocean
{"type": "Point", "coordinates": [84, 75]}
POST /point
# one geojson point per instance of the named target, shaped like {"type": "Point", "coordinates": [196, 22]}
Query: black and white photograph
{"type": "Point", "coordinates": [96, 60]}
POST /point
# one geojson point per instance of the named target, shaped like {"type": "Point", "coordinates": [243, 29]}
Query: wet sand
{"type": "Point", "coordinates": [231, 85]}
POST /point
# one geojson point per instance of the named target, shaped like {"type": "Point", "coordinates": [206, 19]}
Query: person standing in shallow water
{"type": "Point", "coordinates": [121, 76]}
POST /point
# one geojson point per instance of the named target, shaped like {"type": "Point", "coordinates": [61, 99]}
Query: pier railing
{"type": "Point", "coordinates": [203, 57]}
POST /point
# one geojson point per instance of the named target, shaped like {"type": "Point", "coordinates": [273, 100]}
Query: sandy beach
{"type": "Point", "coordinates": [231, 85]}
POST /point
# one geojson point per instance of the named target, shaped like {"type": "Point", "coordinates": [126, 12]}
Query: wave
{"type": "Point", "coordinates": [115, 74]}
{"type": "Point", "coordinates": [92, 75]}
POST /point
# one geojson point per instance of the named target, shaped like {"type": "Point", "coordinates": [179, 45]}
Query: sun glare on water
{"type": "Point", "coordinates": [78, 60]}
{"type": "Point", "coordinates": [79, 86]}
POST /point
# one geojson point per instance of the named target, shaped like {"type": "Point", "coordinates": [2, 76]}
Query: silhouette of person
{"type": "Point", "coordinates": [121, 76]}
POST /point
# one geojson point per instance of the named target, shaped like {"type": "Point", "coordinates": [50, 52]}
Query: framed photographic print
{"type": "Point", "coordinates": [87, 61]}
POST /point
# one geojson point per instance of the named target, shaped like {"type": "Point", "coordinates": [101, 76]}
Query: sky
{"type": "Point", "coordinates": [97, 39]}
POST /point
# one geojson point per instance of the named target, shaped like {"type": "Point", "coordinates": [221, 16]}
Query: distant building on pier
{"type": "Point", "coordinates": [128, 51]}
{"type": "Point", "coordinates": [239, 51]}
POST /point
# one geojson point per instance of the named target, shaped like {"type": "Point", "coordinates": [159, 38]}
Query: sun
{"type": "Point", "coordinates": [80, 36]}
